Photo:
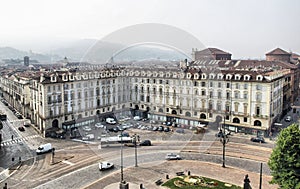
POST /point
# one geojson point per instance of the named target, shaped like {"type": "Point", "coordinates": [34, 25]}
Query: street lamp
{"type": "Point", "coordinates": [135, 138]}
{"type": "Point", "coordinates": [224, 140]}
{"type": "Point", "coordinates": [123, 184]}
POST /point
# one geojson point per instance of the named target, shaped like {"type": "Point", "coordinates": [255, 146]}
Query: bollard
{"type": "Point", "coordinates": [167, 176]}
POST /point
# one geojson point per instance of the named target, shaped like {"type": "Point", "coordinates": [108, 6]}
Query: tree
{"type": "Point", "coordinates": [285, 159]}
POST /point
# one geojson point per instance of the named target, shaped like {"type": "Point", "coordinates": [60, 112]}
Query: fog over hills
{"type": "Point", "coordinates": [92, 50]}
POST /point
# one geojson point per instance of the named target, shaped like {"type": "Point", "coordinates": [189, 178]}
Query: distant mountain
{"type": "Point", "coordinates": [12, 53]}
{"type": "Point", "coordinates": [94, 51]}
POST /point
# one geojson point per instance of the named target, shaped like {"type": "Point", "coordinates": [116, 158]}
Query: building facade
{"type": "Point", "coordinates": [246, 95]}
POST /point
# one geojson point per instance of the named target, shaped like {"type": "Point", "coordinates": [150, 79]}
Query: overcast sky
{"type": "Point", "coordinates": [245, 28]}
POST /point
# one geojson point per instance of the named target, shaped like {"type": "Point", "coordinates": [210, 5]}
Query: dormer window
{"type": "Point", "coordinates": [247, 77]}
{"type": "Point", "coordinates": [211, 76]}
{"type": "Point", "coordinates": [228, 76]}
{"type": "Point", "coordinates": [237, 77]}
{"type": "Point", "coordinates": [71, 77]}
{"type": "Point", "coordinates": [220, 76]}
{"type": "Point", "coordinates": [64, 77]}
{"type": "Point", "coordinates": [259, 77]}
{"type": "Point", "coordinates": [196, 76]}
{"type": "Point", "coordinates": [53, 78]}
{"type": "Point", "coordinates": [161, 74]}
{"type": "Point", "coordinates": [203, 76]}
{"type": "Point", "coordinates": [189, 75]}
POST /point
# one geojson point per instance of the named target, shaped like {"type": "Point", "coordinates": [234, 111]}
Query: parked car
{"type": "Point", "coordinates": [145, 143]}
{"type": "Point", "coordinates": [167, 129]}
{"type": "Point", "coordinates": [137, 118]}
{"type": "Point", "coordinates": [26, 124]}
{"type": "Point", "coordinates": [154, 128]}
{"type": "Point", "coordinates": [86, 128]}
{"type": "Point", "coordinates": [110, 120]}
{"type": "Point", "coordinates": [160, 128]}
{"type": "Point", "coordinates": [173, 156]}
{"type": "Point", "coordinates": [258, 139]}
{"type": "Point", "coordinates": [179, 130]}
{"type": "Point", "coordinates": [105, 165]}
{"type": "Point", "coordinates": [21, 128]}
{"type": "Point", "coordinates": [288, 119]}
{"type": "Point", "coordinates": [99, 125]}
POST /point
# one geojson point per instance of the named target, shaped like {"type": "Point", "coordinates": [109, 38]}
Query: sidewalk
{"type": "Point", "coordinates": [147, 175]}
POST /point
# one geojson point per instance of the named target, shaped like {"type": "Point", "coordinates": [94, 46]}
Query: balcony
{"type": "Point", "coordinates": [260, 116]}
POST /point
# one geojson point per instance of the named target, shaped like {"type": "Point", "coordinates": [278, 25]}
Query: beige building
{"type": "Point", "coordinates": [247, 95]}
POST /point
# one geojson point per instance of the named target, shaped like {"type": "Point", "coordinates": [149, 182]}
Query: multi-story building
{"type": "Point", "coordinates": [245, 95]}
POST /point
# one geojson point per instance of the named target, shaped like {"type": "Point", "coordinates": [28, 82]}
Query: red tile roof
{"type": "Point", "coordinates": [278, 51]}
{"type": "Point", "coordinates": [212, 51]}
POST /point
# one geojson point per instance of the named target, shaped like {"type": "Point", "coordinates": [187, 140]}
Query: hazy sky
{"type": "Point", "coordinates": [246, 28]}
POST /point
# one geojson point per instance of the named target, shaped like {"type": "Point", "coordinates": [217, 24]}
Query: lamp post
{"type": "Point", "coordinates": [224, 140]}
{"type": "Point", "coordinates": [123, 184]}
{"type": "Point", "coordinates": [135, 146]}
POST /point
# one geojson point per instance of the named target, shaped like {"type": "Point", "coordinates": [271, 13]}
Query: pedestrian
{"type": "Point", "coordinates": [12, 137]}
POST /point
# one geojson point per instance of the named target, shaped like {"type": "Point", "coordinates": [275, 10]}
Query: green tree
{"type": "Point", "coordinates": [285, 159]}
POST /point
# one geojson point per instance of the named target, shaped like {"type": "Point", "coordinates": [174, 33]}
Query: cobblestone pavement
{"type": "Point", "coordinates": [147, 174]}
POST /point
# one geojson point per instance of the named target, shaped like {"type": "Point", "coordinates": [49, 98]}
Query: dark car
{"type": "Point", "coordinates": [160, 128]}
{"type": "Point", "coordinates": [258, 139]}
{"type": "Point", "coordinates": [145, 143]}
{"type": "Point", "coordinates": [288, 119]}
{"type": "Point", "coordinates": [21, 128]}
{"type": "Point", "coordinates": [167, 129]}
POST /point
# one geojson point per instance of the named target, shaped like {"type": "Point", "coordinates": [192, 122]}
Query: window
{"type": "Point", "coordinates": [245, 119]}
{"type": "Point", "coordinates": [245, 95]}
{"type": "Point", "coordinates": [257, 110]}
{"type": "Point", "coordinates": [228, 85]}
{"type": "Point", "coordinates": [227, 95]}
{"type": "Point", "coordinates": [219, 107]}
{"type": "Point", "coordinates": [202, 84]}
{"type": "Point", "coordinates": [227, 108]}
{"type": "Point", "coordinates": [211, 84]}
{"type": "Point", "coordinates": [203, 93]}
{"type": "Point", "coordinates": [246, 86]}
{"type": "Point", "coordinates": [258, 97]}
{"type": "Point", "coordinates": [220, 85]}
{"type": "Point", "coordinates": [258, 87]}
{"type": "Point", "coordinates": [219, 94]}
{"type": "Point", "coordinates": [211, 94]}
{"type": "Point", "coordinates": [237, 86]}
{"type": "Point", "coordinates": [236, 107]}
{"type": "Point", "coordinates": [236, 94]}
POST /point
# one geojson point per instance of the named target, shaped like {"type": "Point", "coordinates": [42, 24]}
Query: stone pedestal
{"type": "Point", "coordinates": [124, 185]}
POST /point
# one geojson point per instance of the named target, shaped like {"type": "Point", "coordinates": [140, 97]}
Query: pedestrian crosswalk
{"type": "Point", "coordinates": [18, 140]}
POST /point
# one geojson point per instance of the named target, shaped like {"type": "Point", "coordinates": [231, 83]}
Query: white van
{"type": "Point", "coordinates": [110, 121]}
{"type": "Point", "coordinates": [44, 148]}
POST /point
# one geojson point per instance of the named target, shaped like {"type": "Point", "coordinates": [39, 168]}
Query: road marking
{"type": "Point", "coordinates": [67, 162]}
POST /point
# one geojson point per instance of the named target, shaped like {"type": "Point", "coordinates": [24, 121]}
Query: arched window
{"type": "Point", "coordinates": [257, 123]}
{"type": "Point", "coordinates": [236, 120]}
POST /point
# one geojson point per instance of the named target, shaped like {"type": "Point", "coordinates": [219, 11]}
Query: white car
{"type": "Point", "coordinates": [173, 156]}
{"type": "Point", "coordinates": [137, 118]}
{"type": "Point", "coordinates": [111, 121]}
{"type": "Point", "coordinates": [86, 128]}
{"type": "Point", "coordinates": [105, 165]}
{"type": "Point", "coordinates": [99, 125]}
